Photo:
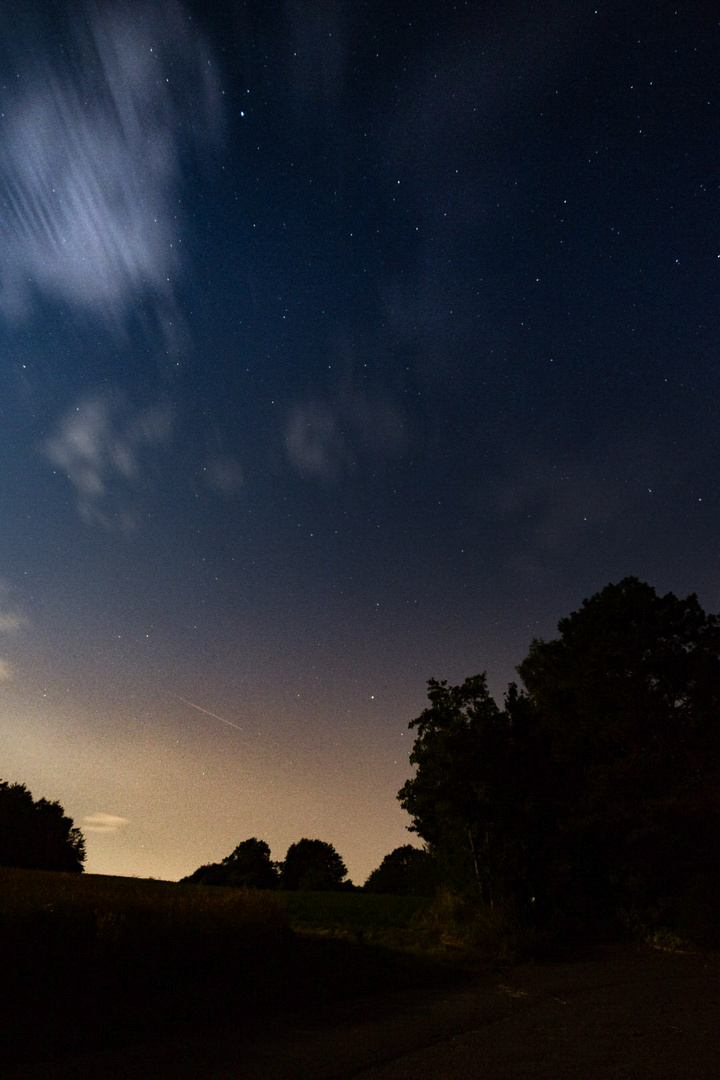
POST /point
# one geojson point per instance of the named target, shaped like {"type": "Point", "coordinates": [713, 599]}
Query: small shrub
{"type": "Point", "coordinates": [454, 923]}
{"type": "Point", "coordinates": [653, 927]}
{"type": "Point", "coordinates": [666, 939]}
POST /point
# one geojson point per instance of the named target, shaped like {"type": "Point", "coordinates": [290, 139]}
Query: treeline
{"type": "Point", "coordinates": [315, 865]}
{"type": "Point", "coordinates": [309, 864]}
{"type": "Point", "coordinates": [591, 799]}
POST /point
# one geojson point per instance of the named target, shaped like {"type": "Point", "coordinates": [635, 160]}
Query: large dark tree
{"type": "Point", "coordinates": [37, 834]}
{"type": "Point", "coordinates": [458, 797]}
{"type": "Point", "coordinates": [627, 733]}
{"type": "Point", "coordinates": [406, 871]}
{"type": "Point", "coordinates": [249, 866]}
{"type": "Point", "coordinates": [312, 865]}
{"type": "Point", "coordinates": [599, 788]}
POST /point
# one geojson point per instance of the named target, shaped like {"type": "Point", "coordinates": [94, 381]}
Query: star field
{"type": "Point", "coordinates": [341, 346]}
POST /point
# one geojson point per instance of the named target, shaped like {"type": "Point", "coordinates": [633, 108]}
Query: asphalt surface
{"type": "Point", "coordinates": [619, 1013]}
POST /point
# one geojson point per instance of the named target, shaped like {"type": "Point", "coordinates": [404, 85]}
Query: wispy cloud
{"type": "Point", "coordinates": [324, 438]}
{"type": "Point", "coordinates": [11, 620]}
{"type": "Point", "coordinates": [103, 823]}
{"type": "Point", "coordinates": [224, 475]}
{"type": "Point", "coordinates": [102, 446]}
{"type": "Point", "coordinates": [91, 144]}
{"type": "Point", "coordinates": [315, 442]}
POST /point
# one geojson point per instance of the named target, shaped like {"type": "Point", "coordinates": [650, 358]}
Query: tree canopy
{"type": "Point", "coordinates": [597, 787]}
{"type": "Point", "coordinates": [627, 722]}
{"type": "Point", "coordinates": [309, 864]}
{"type": "Point", "coordinates": [406, 871]}
{"type": "Point", "coordinates": [37, 834]}
{"type": "Point", "coordinates": [459, 751]}
{"type": "Point", "coordinates": [249, 866]}
{"type": "Point", "coordinates": [312, 865]}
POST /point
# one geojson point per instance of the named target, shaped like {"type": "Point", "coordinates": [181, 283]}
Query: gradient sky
{"type": "Point", "coordinates": [341, 346]}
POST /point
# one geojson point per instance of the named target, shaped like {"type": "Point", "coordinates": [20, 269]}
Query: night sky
{"type": "Point", "coordinates": [341, 345]}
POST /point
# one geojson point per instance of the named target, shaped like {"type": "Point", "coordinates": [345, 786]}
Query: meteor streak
{"type": "Point", "coordinates": [206, 711]}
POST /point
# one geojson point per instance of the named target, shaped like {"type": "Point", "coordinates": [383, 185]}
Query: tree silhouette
{"type": "Point", "coordinates": [627, 706]}
{"type": "Point", "coordinates": [596, 790]}
{"type": "Point", "coordinates": [312, 865]}
{"type": "Point", "coordinates": [249, 866]}
{"type": "Point", "coordinates": [37, 834]}
{"type": "Point", "coordinates": [459, 791]}
{"type": "Point", "coordinates": [406, 871]}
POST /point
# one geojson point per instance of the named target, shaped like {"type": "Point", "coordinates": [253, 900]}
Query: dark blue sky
{"type": "Point", "coordinates": [341, 346]}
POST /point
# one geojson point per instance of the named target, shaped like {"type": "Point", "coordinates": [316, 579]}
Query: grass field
{"type": "Point", "coordinates": [95, 959]}
{"type": "Point", "coordinates": [363, 917]}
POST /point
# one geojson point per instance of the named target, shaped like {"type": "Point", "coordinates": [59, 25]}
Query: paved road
{"type": "Point", "coordinates": [656, 1020]}
{"type": "Point", "coordinates": [622, 1013]}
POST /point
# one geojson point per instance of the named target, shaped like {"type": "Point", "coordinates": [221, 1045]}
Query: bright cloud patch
{"type": "Point", "coordinates": [91, 148]}
{"type": "Point", "coordinates": [104, 823]}
{"type": "Point", "coordinates": [105, 449]}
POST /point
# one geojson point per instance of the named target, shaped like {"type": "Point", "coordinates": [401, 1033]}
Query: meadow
{"type": "Point", "coordinates": [364, 917]}
{"type": "Point", "coordinates": [88, 960]}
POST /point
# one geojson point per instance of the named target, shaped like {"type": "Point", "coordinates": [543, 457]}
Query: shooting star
{"type": "Point", "coordinates": [206, 711]}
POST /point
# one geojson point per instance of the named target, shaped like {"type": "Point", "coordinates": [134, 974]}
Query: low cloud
{"type": "Point", "coordinates": [103, 447]}
{"type": "Point", "coordinates": [5, 671]}
{"type": "Point", "coordinates": [91, 147]}
{"type": "Point", "coordinates": [103, 823]}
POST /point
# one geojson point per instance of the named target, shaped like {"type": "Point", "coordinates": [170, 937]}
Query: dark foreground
{"type": "Point", "coordinates": [620, 1012]}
